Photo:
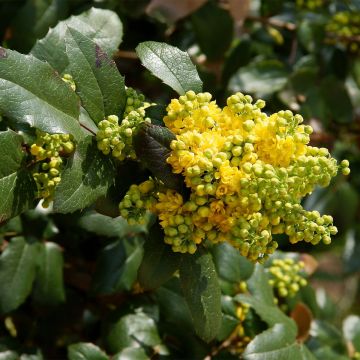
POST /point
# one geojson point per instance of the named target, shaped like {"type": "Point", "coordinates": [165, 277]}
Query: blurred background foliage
{"type": "Point", "coordinates": [301, 55]}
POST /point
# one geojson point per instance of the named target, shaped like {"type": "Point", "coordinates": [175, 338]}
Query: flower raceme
{"type": "Point", "coordinates": [247, 173]}
{"type": "Point", "coordinates": [48, 151]}
{"type": "Point", "coordinates": [116, 138]}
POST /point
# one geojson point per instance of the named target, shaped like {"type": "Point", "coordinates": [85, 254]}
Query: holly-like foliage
{"type": "Point", "coordinates": [138, 226]}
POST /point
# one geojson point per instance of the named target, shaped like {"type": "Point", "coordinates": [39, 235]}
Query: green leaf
{"type": "Point", "coordinates": [156, 113]}
{"type": "Point", "coordinates": [16, 185]}
{"type": "Point", "coordinates": [117, 266]}
{"type": "Point", "coordinates": [173, 307]}
{"type": "Point", "coordinates": [131, 353]}
{"type": "Point", "coordinates": [159, 262]}
{"type": "Point", "coordinates": [261, 78]}
{"type": "Point", "coordinates": [275, 343]}
{"type": "Point", "coordinates": [337, 100]}
{"type": "Point", "coordinates": [88, 176]}
{"type": "Point", "coordinates": [171, 65]}
{"type": "Point", "coordinates": [11, 155]}
{"type": "Point", "coordinates": [49, 285]}
{"type": "Point", "coordinates": [202, 293]}
{"type": "Point", "coordinates": [8, 355]}
{"type": "Point", "coordinates": [351, 330]}
{"type": "Point", "coordinates": [230, 265]}
{"type": "Point", "coordinates": [18, 265]}
{"type": "Point", "coordinates": [16, 193]}
{"type": "Point", "coordinates": [34, 94]}
{"type": "Point", "coordinates": [102, 26]}
{"type": "Point", "coordinates": [107, 226]}
{"type": "Point", "coordinates": [132, 330]}
{"type": "Point", "coordinates": [152, 146]}
{"type": "Point", "coordinates": [86, 351]}
{"type": "Point", "coordinates": [239, 56]}
{"type": "Point", "coordinates": [98, 82]}
{"type": "Point", "coordinates": [213, 43]}
{"type": "Point", "coordinates": [33, 21]}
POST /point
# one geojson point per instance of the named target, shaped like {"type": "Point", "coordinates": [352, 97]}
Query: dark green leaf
{"type": "Point", "coordinates": [351, 330]}
{"type": "Point", "coordinates": [259, 286]}
{"type": "Point", "coordinates": [156, 113]}
{"type": "Point", "coordinates": [18, 265]}
{"type": "Point", "coordinates": [238, 56]}
{"type": "Point", "coordinates": [98, 82]}
{"type": "Point", "coordinates": [11, 155]}
{"type": "Point", "coordinates": [173, 306]}
{"type": "Point", "coordinates": [152, 146]}
{"type": "Point", "coordinates": [34, 20]}
{"type": "Point", "coordinates": [261, 78]}
{"type": "Point", "coordinates": [49, 285]}
{"type": "Point", "coordinates": [171, 65]}
{"type": "Point", "coordinates": [102, 26]}
{"type": "Point", "coordinates": [86, 351]}
{"type": "Point", "coordinates": [8, 355]}
{"type": "Point", "coordinates": [275, 343]}
{"type": "Point", "coordinates": [213, 28]}
{"type": "Point", "coordinates": [131, 353]}
{"type": "Point", "coordinates": [107, 226]}
{"type": "Point", "coordinates": [132, 330]}
{"type": "Point", "coordinates": [230, 265]}
{"type": "Point", "coordinates": [159, 262]}
{"type": "Point", "coordinates": [87, 177]}
{"type": "Point", "coordinates": [16, 193]}
{"type": "Point", "coordinates": [34, 94]}
{"type": "Point", "coordinates": [117, 266]}
{"type": "Point", "coordinates": [337, 100]}
{"type": "Point", "coordinates": [323, 335]}
{"type": "Point", "coordinates": [202, 293]}
{"type": "Point", "coordinates": [17, 187]}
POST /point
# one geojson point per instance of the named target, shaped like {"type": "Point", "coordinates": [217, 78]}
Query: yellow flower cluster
{"type": "Point", "coordinates": [287, 276]}
{"type": "Point", "coordinates": [116, 138]}
{"type": "Point", "coordinates": [247, 173]}
{"type": "Point", "coordinates": [344, 27]}
{"type": "Point", "coordinates": [48, 151]}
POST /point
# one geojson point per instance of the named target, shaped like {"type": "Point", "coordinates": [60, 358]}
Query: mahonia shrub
{"type": "Point", "coordinates": [136, 227]}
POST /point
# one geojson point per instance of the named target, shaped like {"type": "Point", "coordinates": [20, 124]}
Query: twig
{"type": "Point", "coordinates": [126, 54]}
{"type": "Point", "coordinates": [86, 128]}
{"type": "Point", "coordinates": [273, 22]}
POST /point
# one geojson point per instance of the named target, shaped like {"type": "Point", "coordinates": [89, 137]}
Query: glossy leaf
{"type": "Point", "coordinates": [213, 43]}
{"type": "Point", "coordinates": [131, 353]}
{"type": "Point", "coordinates": [17, 187]}
{"type": "Point", "coordinates": [49, 285]}
{"type": "Point", "coordinates": [117, 266]}
{"type": "Point", "coordinates": [86, 351]}
{"type": "Point", "coordinates": [35, 95]}
{"type": "Point", "coordinates": [152, 146]}
{"type": "Point", "coordinates": [87, 177]}
{"type": "Point", "coordinates": [18, 265]}
{"type": "Point", "coordinates": [171, 65]}
{"type": "Point", "coordinates": [159, 262]}
{"type": "Point", "coordinates": [202, 293]}
{"type": "Point", "coordinates": [351, 329]}
{"type": "Point", "coordinates": [275, 343]}
{"type": "Point", "coordinates": [260, 78]}
{"type": "Point", "coordinates": [132, 330]}
{"type": "Point", "coordinates": [98, 82]}
{"type": "Point", "coordinates": [230, 265]}
{"type": "Point", "coordinates": [34, 19]}
{"type": "Point", "coordinates": [102, 26]}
